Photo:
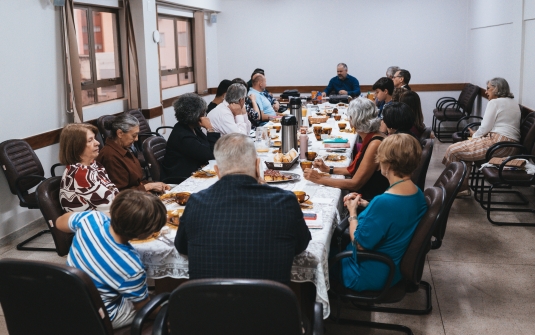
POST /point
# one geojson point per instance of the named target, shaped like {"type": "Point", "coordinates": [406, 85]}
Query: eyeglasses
{"type": "Point", "coordinates": [397, 77]}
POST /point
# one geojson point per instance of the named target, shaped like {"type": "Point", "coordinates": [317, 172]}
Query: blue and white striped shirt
{"type": "Point", "coordinates": [115, 269]}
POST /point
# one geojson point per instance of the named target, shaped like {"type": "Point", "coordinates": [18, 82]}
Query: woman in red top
{"type": "Point", "coordinates": [364, 172]}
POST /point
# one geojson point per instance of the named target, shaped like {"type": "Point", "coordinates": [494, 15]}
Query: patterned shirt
{"type": "Point", "coordinates": [115, 269]}
{"type": "Point", "coordinates": [86, 188]}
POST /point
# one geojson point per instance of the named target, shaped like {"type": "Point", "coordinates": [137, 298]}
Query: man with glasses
{"type": "Point", "coordinates": [343, 83]}
{"type": "Point", "coordinates": [401, 79]}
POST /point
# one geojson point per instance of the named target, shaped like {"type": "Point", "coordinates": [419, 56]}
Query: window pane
{"type": "Point", "coordinates": [183, 38]}
{"type": "Point", "coordinates": [167, 44]}
{"type": "Point", "coordinates": [109, 92]}
{"type": "Point", "coordinates": [88, 97]}
{"type": "Point", "coordinates": [82, 37]}
{"type": "Point", "coordinates": [169, 81]}
{"type": "Point", "coordinates": [106, 45]}
{"type": "Point", "coordinates": [186, 78]}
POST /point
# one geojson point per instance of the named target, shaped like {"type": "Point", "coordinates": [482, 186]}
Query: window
{"type": "Point", "coordinates": [176, 53]}
{"type": "Point", "coordinates": [97, 33]}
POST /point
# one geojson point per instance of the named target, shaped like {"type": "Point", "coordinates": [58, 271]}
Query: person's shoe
{"type": "Point", "coordinates": [465, 193]}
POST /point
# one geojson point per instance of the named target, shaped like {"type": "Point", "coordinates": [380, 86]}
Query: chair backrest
{"type": "Point", "coordinates": [418, 176]}
{"type": "Point", "coordinates": [233, 306]}
{"type": "Point", "coordinates": [19, 160]}
{"type": "Point", "coordinates": [426, 134]}
{"type": "Point", "coordinates": [144, 127]}
{"type": "Point", "coordinates": [527, 131]}
{"type": "Point", "coordinates": [451, 180]}
{"type": "Point", "coordinates": [412, 264]}
{"type": "Point", "coordinates": [467, 97]}
{"type": "Point", "coordinates": [154, 151]}
{"type": "Point", "coordinates": [44, 298]}
{"type": "Point", "coordinates": [48, 200]}
{"type": "Point", "coordinates": [104, 133]}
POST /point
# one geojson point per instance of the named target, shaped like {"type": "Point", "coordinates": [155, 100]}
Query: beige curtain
{"type": "Point", "coordinates": [199, 52]}
{"type": "Point", "coordinates": [72, 64]}
{"type": "Point", "coordinates": [131, 78]}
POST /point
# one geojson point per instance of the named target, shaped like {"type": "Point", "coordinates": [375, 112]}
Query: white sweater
{"type": "Point", "coordinates": [502, 116]}
{"type": "Point", "coordinates": [224, 122]}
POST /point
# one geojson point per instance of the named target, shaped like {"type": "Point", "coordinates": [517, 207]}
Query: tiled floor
{"type": "Point", "coordinates": [482, 276]}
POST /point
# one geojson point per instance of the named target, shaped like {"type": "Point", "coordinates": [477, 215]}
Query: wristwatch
{"type": "Point", "coordinates": [351, 218]}
{"type": "Point", "coordinates": [331, 169]}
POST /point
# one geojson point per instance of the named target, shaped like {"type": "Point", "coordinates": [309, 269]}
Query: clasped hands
{"type": "Point", "coordinates": [353, 200]}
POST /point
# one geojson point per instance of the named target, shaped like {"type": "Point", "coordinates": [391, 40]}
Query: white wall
{"type": "Point", "coordinates": [528, 71]}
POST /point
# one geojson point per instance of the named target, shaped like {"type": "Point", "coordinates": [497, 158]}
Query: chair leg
{"type": "Point", "coordinates": [377, 325]}
{"type": "Point", "coordinates": [516, 210]}
{"type": "Point", "coordinates": [21, 246]}
{"type": "Point", "coordinates": [427, 310]}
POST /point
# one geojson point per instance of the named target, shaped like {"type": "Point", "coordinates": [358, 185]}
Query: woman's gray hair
{"type": "Point", "coordinates": [363, 113]}
{"type": "Point", "coordinates": [391, 71]}
{"type": "Point", "coordinates": [235, 153]}
{"type": "Point", "coordinates": [501, 88]}
{"type": "Point", "coordinates": [125, 122]}
{"type": "Point", "coordinates": [235, 92]}
{"type": "Point", "coordinates": [189, 108]}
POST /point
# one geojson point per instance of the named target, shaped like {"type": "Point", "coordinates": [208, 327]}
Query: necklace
{"type": "Point", "coordinates": [397, 182]}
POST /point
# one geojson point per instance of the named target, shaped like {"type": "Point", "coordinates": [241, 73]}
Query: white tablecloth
{"type": "Point", "coordinates": [161, 258]}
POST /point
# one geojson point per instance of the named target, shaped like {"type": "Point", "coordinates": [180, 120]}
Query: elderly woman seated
{"type": "Point", "coordinates": [188, 148]}
{"type": "Point", "coordinates": [121, 164]}
{"type": "Point", "coordinates": [388, 222]}
{"type": "Point", "coordinates": [364, 173]}
{"type": "Point", "coordinates": [501, 123]}
{"type": "Point", "coordinates": [85, 186]}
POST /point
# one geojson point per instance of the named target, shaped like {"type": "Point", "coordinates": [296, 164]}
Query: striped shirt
{"type": "Point", "coordinates": [115, 269]}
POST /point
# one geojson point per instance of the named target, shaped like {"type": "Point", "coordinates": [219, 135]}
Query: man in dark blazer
{"type": "Point", "coordinates": [239, 228]}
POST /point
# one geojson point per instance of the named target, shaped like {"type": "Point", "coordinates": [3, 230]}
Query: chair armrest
{"type": "Point", "coordinates": [442, 101]}
{"type": "Point", "coordinates": [143, 314]}
{"type": "Point", "coordinates": [367, 255]}
{"type": "Point", "coordinates": [163, 127]}
{"type": "Point", "coordinates": [500, 145]}
{"type": "Point", "coordinates": [317, 328]}
{"type": "Point", "coordinates": [160, 323]}
{"type": "Point", "coordinates": [465, 129]}
{"type": "Point", "coordinates": [513, 182]}
{"type": "Point", "coordinates": [467, 117]}
{"type": "Point", "coordinates": [53, 169]}
{"type": "Point", "coordinates": [339, 232]}
{"type": "Point", "coordinates": [17, 186]}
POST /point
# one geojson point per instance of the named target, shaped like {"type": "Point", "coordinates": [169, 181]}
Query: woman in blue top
{"type": "Point", "coordinates": [388, 222]}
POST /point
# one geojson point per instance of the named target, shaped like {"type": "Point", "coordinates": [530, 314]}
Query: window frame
{"type": "Point", "coordinates": [95, 84]}
{"type": "Point", "coordinates": [178, 70]}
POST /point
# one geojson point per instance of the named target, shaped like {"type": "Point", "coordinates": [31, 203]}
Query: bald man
{"type": "Point", "coordinates": [258, 86]}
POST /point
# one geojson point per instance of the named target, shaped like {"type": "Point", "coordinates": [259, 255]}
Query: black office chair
{"type": "Point", "coordinates": [411, 267]}
{"type": "Point", "coordinates": [234, 306]}
{"type": "Point", "coordinates": [418, 176]}
{"type": "Point", "coordinates": [45, 298]}
{"type": "Point", "coordinates": [23, 171]}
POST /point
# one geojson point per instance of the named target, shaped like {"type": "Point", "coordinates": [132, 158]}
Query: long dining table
{"type": "Point", "coordinates": [162, 260]}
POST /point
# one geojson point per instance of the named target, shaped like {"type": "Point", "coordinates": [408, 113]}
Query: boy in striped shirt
{"type": "Point", "coordinates": [102, 250]}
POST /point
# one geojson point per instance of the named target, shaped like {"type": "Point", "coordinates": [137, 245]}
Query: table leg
{"type": "Point", "coordinates": [167, 284]}
{"type": "Point", "coordinates": [306, 296]}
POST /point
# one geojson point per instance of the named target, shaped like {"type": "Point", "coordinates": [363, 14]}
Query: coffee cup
{"type": "Point", "coordinates": [277, 128]}
{"type": "Point", "coordinates": [338, 117]}
{"type": "Point", "coordinates": [305, 165]}
{"type": "Point", "coordinates": [318, 137]}
{"type": "Point", "coordinates": [327, 130]}
{"type": "Point", "coordinates": [311, 155]}
{"type": "Point", "coordinates": [317, 130]}
{"type": "Point", "coordinates": [301, 196]}
{"type": "Point", "coordinates": [342, 125]}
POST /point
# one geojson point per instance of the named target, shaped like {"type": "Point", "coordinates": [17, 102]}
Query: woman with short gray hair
{"type": "Point", "coordinates": [364, 172]}
{"type": "Point", "coordinates": [188, 147]}
{"type": "Point", "coordinates": [230, 116]}
{"type": "Point", "coordinates": [501, 123]}
{"type": "Point", "coordinates": [120, 162]}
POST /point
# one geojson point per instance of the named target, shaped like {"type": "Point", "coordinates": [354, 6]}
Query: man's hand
{"type": "Point", "coordinates": [342, 92]}
{"type": "Point", "coordinates": [276, 106]}
{"type": "Point", "coordinates": [323, 94]}
{"type": "Point", "coordinates": [236, 109]}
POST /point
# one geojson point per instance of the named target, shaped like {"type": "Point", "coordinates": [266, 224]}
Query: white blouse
{"type": "Point", "coordinates": [502, 116]}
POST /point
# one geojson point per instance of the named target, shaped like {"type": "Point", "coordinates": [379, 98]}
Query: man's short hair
{"type": "Point", "coordinates": [343, 65]}
{"type": "Point", "coordinates": [235, 153]}
{"type": "Point", "coordinates": [399, 116]}
{"type": "Point", "coordinates": [261, 71]}
{"type": "Point", "coordinates": [402, 152]}
{"type": "Point", "coordinates": [223, 87]}
{"type": "Point", "coordinates": [406, 76]}
{"type": "Point", "coordinates": [384, 83]}
{"type": "Point", "coordinates": [73, 141]}
{"type": "Point", "coordinates": [391, 71]}
{"type": "Point", "coordinates": [135, 213]}
{"type": "Point", "coordinates": [235, 92]}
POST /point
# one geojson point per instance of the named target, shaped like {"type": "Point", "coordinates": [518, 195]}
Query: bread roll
{"type": "Point", "coordinates": [286, 158]}
{"type": "Point", "coordinates": [277, 158]}
{"type": "Point", "coordinates": [292, 153]}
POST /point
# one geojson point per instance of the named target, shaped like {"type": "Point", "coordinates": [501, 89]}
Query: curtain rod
{"type": "Point", "coordinates": [174, 5]}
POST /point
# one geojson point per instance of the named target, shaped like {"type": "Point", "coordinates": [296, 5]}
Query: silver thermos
{"type": "Point", "coordinates": [295, 110]}
{"type": "Point", "coordinates": [289, 133]}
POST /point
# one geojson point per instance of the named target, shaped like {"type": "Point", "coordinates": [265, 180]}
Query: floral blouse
{"type": "Point", "coordinates": [86, 188]}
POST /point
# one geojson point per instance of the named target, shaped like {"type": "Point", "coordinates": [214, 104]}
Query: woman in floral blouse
{"type": "Point", "coordinates": [85, 185]}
